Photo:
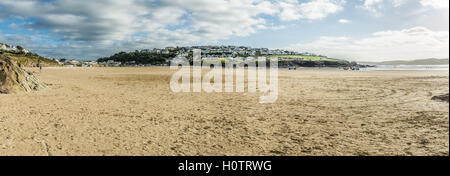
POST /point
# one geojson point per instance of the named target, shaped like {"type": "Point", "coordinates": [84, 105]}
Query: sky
{"type": "Point", "coordinates": [361, 30]}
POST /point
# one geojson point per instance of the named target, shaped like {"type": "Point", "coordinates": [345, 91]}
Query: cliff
{"type": "Point", "coordinates": [15, 79]}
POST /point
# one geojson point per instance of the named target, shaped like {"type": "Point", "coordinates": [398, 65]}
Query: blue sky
{"type": "Point", "coordinates": [363, 30]}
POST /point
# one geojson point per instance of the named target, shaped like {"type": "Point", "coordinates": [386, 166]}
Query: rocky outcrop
{"type": "Point", "coordinates": [15, 79]}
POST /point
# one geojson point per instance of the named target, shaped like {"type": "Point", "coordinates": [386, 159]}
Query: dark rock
{"type": "Point", "coordinates": [305, 63]}
{"type": "Point", "coordinates": [6, 91]}
{"type": "Point", "coordinates": [441, 98]}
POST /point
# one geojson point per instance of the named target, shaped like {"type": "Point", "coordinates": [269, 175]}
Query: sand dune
{"type": "Point", "coordinates": [131, 111]}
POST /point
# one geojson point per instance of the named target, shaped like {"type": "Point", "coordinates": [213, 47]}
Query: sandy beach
{"type": "Point", "coordinates": [132, 111]}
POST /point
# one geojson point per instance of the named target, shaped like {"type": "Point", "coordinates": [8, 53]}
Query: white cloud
{"type": "Point", "coordinates": [398, 3]}
{"type": "Point", "coordinates": [413, 43]}
{"type": "Point", "coordinates": [135, 24]}
{"type": "Point", "coordinates": [438, 4]}
{"type": "Point", "coordinates": [372, 5]}
{"type": "Point", "coordinates": [376, 5]}
{"type": "Point", "coordinates": [117, 20]}
{"type": "Point", "coordinates": [344, 21]}
{"type": "Point", "coordinates": [312, 10]}
{"type": "Point", "coordinates": [369, 3]}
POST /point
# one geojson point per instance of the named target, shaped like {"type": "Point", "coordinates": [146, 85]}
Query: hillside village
{"type": "Point", "coordinates": [212, 52]}
{"type": "Point", "coordinates": [163, 56]}
{"type": "Point", "coordinates": [224, 51]}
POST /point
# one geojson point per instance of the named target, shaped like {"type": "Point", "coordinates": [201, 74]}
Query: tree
{"type": "Point", "coordinates": [139, 57]}
{"type": "Point", "coordinates": [19, 48]}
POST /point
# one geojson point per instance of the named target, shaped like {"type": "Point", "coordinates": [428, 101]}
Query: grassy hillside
{"type": "Point", "coordinates": [306, 58]}
{"type": "Point", "coordinates": [29, 59]}
{"type": "Point", "coordinates": [413, 62]}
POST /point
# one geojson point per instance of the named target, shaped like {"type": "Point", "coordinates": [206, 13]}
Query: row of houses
{"type": "Point", "coordinates": [112, 63]}
{"type": "Point", "coordinates": [223, 51]}
{"type": "Point", "coordinates": [9, 48]}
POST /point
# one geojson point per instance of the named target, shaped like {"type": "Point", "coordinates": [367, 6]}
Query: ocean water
{"type": "Point", "coordinates": [408, 67]}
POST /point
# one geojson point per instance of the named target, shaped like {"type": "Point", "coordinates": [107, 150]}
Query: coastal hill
{"type": "Point", "coordinates": [222, 54]}
{"type": "Point", "coordinates": [25, 58]}
{"type": "Point", "coordinates": [431, 61]}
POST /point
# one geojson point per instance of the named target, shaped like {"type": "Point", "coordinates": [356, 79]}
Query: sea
{"type": "Point", "coordinates": [407, 67]}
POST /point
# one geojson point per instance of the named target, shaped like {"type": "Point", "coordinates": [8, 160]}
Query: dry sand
{"type": "Point", "coordinates": [131, 111]}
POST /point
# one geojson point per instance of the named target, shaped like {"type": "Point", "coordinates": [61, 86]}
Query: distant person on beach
{"type": "Point", "coordinates": [40, 67]}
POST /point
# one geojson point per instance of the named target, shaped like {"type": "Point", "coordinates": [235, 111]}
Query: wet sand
{"type": "Point", "coordinates": [131, 111]}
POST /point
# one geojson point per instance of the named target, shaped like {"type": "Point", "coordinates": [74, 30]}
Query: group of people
{"type": "Point", "coordinates": [351, 68]}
